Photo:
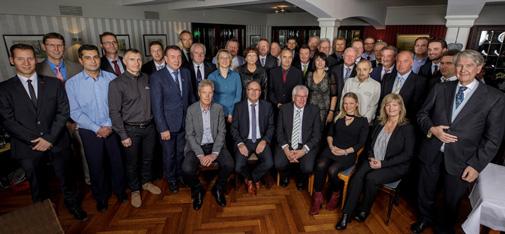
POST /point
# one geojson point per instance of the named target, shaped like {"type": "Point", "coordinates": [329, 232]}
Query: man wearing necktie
{"type": "Point", "coordinates": [266, 60]}
{"type": "Point", "coordinates": [431, 69]}
{"type": "Point", "coordinates": [186, 40]}
{"type": "Point", "coordinates": [283, 79]}
{"type": "Point", "coordinates": [171, 94]}
{"type": "Point", "coordinates": [199, 69]}
{"type": "Point", "coordinates": [447, 69]}
{"type": "Point", "coordinates": [298, 134]}
{"type": "Point", "coordinates": [158, 61]}
{"type": "Point", "coordinates": [387, 66]}
{"type": "Point", "coordinates": [252, 130]}
{"type": "Point", "coordinates": [344, 71]}
{"type": "Point", "coordinates": [111, 61]}
{"type": "Point", "coordinates": [34, 110]}
{"type": "Point", "coordinates": [463, 124]}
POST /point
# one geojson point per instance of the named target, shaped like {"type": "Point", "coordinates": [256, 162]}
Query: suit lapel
{"type": "Point", "coordinates": [289, 121]}
{"type": "Point", "coordinates": [449, 99]}
{"type": "Point", "coordinates": [171, 81]}
{"type": "Point", "coordinates": [19, 88]}
{"type": "Point", "coordinates": [406, 88]}
{"type": "Point", "coordinates": [475, 101]}
{"type": "Point", "coordinates": [41, 92]}
{"type": "Point", "coordinates": [261, 114]}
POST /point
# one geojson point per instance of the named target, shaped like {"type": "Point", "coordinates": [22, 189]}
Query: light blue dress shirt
{"type": "Point", "coordinates": [63, 69]}
{"type": "Point", "coordinates": [227, 91]}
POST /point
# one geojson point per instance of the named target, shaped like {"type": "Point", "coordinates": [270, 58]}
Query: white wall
{"type": "Point", "coordinates": [416, 15]}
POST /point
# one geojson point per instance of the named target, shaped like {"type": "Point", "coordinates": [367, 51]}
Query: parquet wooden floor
{"type": "Point", "coordinates": [274, 210]}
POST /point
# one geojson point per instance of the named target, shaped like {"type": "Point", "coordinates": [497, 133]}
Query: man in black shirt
{"type": "Point", "coordinates": [130, 112]}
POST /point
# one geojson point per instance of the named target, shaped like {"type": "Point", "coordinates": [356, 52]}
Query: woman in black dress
{"type": "Point", "coordinates": [390, 150]}
{"type": "Point", "coordinates": [345, 137]}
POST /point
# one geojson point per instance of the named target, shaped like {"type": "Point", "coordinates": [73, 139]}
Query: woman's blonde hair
{"type": "Point", "coordinates": [219, 53]}
{"type": "Point", "coordinates": [343, 113]}
{"type": "Point", "coordinates": [392, 97]}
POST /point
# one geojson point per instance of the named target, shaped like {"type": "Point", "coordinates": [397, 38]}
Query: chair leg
{"type": "Point", "coordinates": [278, 179]}
{"type": "Point", "coordinates": [390, 207]}
{"type": "Point", "coordinates": [311, 184]}
{"type": "Point", "coordinates": [344, 195]}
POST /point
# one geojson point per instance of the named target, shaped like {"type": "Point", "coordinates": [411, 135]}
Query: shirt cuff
{"type": "Point", "coordinates": [215, 153]}
{"type": "Point", "coordinates": [200, 155]}
{"type": "Point", "coordinates": [240, 143]}
{"type": "Point", "coordinates": [284, 146]}
{"type": "Point", "coordinates": [306, 148]}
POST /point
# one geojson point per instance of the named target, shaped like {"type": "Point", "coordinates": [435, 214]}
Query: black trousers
{"type": "Point", "coordinates": [455, 189]}
{"type": "Point", "coordinates": [368, 180]}
{"type": "Point", "coordinates": [139, 156]}
{"type": "Point", "coordinates": [306, 162]}
{"type": "Point", "coordinates": [173, 155]}
{"type": "Point", "coordinates": [191, 165]}
{"type": "Point", "coordinates": [331, 165]}
{"type": "Point", "coordinates": [265, 162]}
{"type": "Point", "coordinates": [97, 151]}
{"type": "Point", "coordinates": [38, 178]}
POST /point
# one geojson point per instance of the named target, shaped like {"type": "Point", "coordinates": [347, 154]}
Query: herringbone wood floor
{"type": "Point", "coordinates": [274, 210]}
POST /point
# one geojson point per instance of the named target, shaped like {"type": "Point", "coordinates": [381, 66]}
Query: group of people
{"type": "Point", "coordinates": [275, 103]}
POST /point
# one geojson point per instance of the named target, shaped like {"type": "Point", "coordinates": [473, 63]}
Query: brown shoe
{"type": "Point", "coordinates": [151, 188]}
{"type": "Point", "coordinates": [332, 203]}
{"type": "Point", "coordinates": [136, 201]}
{"type": "Point", "coordinates": [250, 187]}
{"type": "Point", "coordinates": [317, 201]}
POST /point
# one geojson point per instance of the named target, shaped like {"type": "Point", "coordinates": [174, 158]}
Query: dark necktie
{"type": "Point", "coordinates": [347, 73]}
{"type": "Point", "coordinates": [31, 90]}
{"type": "Point", "coordinates": [262, 62]}
{"type": "Point", "coordinates": [198, 74]}
{"type": "Point", "coordinates": [253, 123]}
{"type": "Point", "coordinates": [284, 75]}
{"type": "Point", "coordinates": [435, 69]}
{"type": "Point", "coordinates": [176, 79]}
{"type": "Point", "coordinates": [460, 96]}
{"type": "Point", "coordinates": [116, 68]}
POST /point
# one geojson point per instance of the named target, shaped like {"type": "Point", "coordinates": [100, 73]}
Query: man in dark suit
{"type": "Point", "coordinates": [344, 71]}
{"type": "Point", "coordinates": [186, 40]}
{"type": "Point", "coordinates": [283, 79]}
{"type": "Point", "coordinates": [431, 69]}
{"type": "Point", "coordinates": [34, 110]}
{"type": "Point", "coordinates": [298, 134]}
{"type": "Point", "coordinates": [206, 132]}
{"type": "Point", "coordinates": [111, 61]}
{"type": "Point", "coordinates": [171, 94]}
{"type": "Point", "coordinates": [158, 61]}
{"type": "Point", "coordinates": [55, 65]}
{"type": "Point", "coordinates": [252, 130]}
{"type": "Point", "coordinates": [304, 63]}
{"type": "Point", "coordinates": [325, 47]}
{"type": "Point", "coordinates": [338, 49]}
{"type": "Point", "coordinates": [447, 69]}
{"type": "Point", "coordinates": [199, 69]}
{"type": "Point", "coordinates": [292, 44]}
{"type": "Point", "coordinates": [410, 86]}
{"type": "Point", "coordinates": [463, 122]}
{"type": "Point", "coordinates": [265, 60]}
{"type": "Point", "coordinates": [388, 60]}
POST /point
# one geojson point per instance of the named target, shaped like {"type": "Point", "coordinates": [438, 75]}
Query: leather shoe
{"type": "Point", "coordinates": [122, 198]}
{"type": "Point", "coordinates": [284, 181]}
{"type": "Point", "coordinates": [173, 187]}
{"type": "Point", "coordinates": [219, 196]}
{"type": "Point", "coordinates": [342, 224]}
{"type": "Point", "coordinates": [361, 216]}
{"type": "Point", "coordinates": [300, 184]}
{"type": "Point", "coordinates": [78, 213]}
{"type": "Point", "coordinates": [250, 187]}
{"type": "Point", "coordinates": [419, 226]}
{"type": "Point", "coordinates": [101, 206]}
{"type": "Point", "coordinates": [197, 200]}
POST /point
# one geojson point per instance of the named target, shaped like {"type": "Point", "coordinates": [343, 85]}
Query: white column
{"type": "Point", "coordinates": [329, 27]}
{"type": "Point", "coordinates": [458, 28]}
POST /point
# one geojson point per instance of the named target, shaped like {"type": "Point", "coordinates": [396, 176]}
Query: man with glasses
{"type": "Point", "coordinates": [111, 61]}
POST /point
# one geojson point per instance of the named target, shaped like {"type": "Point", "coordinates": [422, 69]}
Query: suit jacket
{"type": "Point", "coordinates": [26, 122]}
{"type": "Point", "coordinates": [72, 68]}
{"type": "Point", "coordinates": [311, 125]}
{"type": "Point", "coordinates": [149, 68]}
{"type": "Point", "coordinates": [208, 68]}
{"type": "Point", "coordinates": [431, 78]}
{"type": "Point", "coordinates": [400, 147]}
{"type": "Point", "coordinates": [105, 65]}
{"type": "Point", "coordinates": [376, 73]}
{"type": "Point", "coordinates": [194, 128]}
{"type": "Point", "coordinates": [338, 73]}
{"type": "Point", "coordinates": [270, 62]}
{"type": "Point", "coordinates": [168, 105]}
{"type": "Point", "coordinates": [310, 68]}
{"type": "Point", "coordinates": [413, 92]}
{"type": "Point", "coordinates": [478, 126]}
{"type": "Point", "coordinates": [279, 91]}
{"type": "Point", "coordinates": [240, 125]}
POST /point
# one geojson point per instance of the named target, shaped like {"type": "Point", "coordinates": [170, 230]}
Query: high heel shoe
{"type": "Point", "coordinates": [317, 201]}
{"type": "Point", "coordinates": [342, 224]}
{"type": "Point", "coordinates": [332, 204]}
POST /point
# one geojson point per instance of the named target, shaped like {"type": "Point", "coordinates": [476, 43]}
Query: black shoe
{"type": "Point", "coordinates": [180, 180]}
{"type": "Point", "coordinates": [78, 213]}
{"type": "Point", "coordinates": [101, 206]}
{"type": "Point", "coordinates": [342, 224]}
{"type": "Point", "coordinates": [361, 216]}
{"type": "Point", "coordinates": [122, 198]}
{"type": "Point", "coordinates": [419, 226]}
{"type": "Point", "coordinates": [300, 184]}
{"type": "Point", "coordinates": [197, 199]}
{"type": "Point", "coordinates": [173, 187]}
{"type": "Point", "coordinates": [219, 196]}
{"type": "Point", "coordinates": [284, 181]}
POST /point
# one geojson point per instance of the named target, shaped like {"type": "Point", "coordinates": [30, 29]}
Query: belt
{"type": "Point", "coordinates": [139, 124]}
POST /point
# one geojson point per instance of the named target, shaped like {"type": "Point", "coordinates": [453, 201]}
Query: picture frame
{"type": "Point", "coordinates": [253, 40]}
{"type": "Point", "coordinates": [34, 40]}
{"type": "Point", "coordinates": [148, 38]}
{"type": "Point", "coordinates": [407, 41]}
{"type": "Point", "coordinates": [123, 41]}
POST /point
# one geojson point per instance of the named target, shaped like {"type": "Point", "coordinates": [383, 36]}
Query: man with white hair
{"type": "Point", "coordinates": [344, 71]}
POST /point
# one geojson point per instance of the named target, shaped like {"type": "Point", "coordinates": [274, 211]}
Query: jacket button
{"type": "Point", "coordinates": [38, 122]}
{"type": "Point", "coordinates": [41, 133]}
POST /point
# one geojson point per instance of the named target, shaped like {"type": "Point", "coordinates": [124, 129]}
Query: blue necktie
{"type": "Point", "coordinates": [176, 79]}
{"type": "Point", "coordinates": [253, 123]}
{"type": "Point", "coordinates": [460, 95]}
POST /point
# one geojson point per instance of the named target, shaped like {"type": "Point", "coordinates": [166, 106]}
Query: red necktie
{"type": "Point", "coordinates": [58, 72]}
{"type": "Point", "coordinates": [116, 68]}
{"type": "Point", "coordinates": [284, 75]}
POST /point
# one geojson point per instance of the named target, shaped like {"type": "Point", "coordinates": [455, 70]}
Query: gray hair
{"type": "Point", "coordinates": [298, 88]}
{"type": "Point", "coordinates": [325, 40]}
{"type": "Point", "coordinates": [204, 83]}
{"type": "Point", "coordinates": [349, 49]}
{"type": "Point", "coordinates": [475, 56]}
{"type": "Point", "coordinates": [198, 45]}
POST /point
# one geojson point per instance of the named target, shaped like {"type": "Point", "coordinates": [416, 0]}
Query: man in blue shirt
{"type": "Point", "coordinates": [88, 98]}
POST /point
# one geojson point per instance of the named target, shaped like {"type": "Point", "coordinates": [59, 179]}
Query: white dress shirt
{"type": "Point", "coordinates": [24, 82]}
{"type": "Point", "coordinates": [258, 134]}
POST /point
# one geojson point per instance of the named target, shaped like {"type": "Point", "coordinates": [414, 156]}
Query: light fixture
{"type": "Point", "coordinates": [280, 9]}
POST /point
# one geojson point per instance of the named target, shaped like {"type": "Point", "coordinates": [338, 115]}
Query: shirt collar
{"type": "Point", "coordinates": [404, 76]}
{"type": "Point", "coordinates": [128, 74]}
{"type": "Point", "coordinates": [53, 66]}
{"type": "Point", "coordinates": [87, 76]}
{"type": "Point", "coordinates": [350, 67]}
{"type": "Point", "coordinates": [470, 86]}
{"type": "Point", "coordinates": [263, 56]}
{"type": "Point", "coordinates": [390, 69]}
{"type": "Point", "coordinates": [452, 78]}
{"type": "Point", "coordinates": [158, 64]}
{"type": "Point", "coordinates": [25, 79]}
{"type": "Point", "coordinates": [205, 109]}
{"type": "Point", "coordinates": [296, 108]}
{"type": "Point", "coordinates": [170, 70]}
{"type": "Point", "coordinates": [196, 64]}
{"type": "Point", "coordinates": [249, 103]}
{"type": "Point", "coordinates": [111, 60]}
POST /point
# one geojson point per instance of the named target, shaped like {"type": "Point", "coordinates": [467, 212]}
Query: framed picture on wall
{"type": "Point", "coordinates": [34, 40]}
{"type": "Point", "coordinates": [123, 41]}
{"type": "Point", "coordinates": [148, 38]}
{"type": "Point", "coordinates": [407, 41]}
{"type": "Point", "coordinates": [253, 40]}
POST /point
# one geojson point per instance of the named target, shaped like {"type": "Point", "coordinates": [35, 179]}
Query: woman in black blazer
{"type": "Point", "coordinates": [390, 150]}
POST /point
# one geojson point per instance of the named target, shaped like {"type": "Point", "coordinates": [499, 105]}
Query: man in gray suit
{"type": "Point", "coordinates": [205, 144]}
{"type": "Point", "coordinates": [55, 65]}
